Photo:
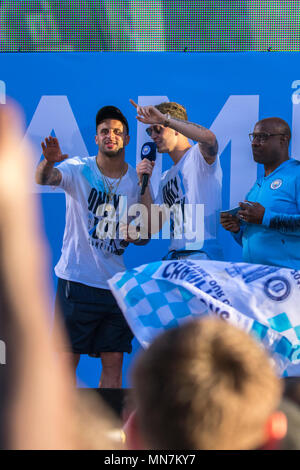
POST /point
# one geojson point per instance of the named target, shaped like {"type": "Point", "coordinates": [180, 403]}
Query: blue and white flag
{"type": "Point", "coordinates": [262, 300]}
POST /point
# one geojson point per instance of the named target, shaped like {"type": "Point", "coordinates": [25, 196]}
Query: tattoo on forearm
{"type": "Point", "coordinates": [48, 176]}
{"type": "Point", "coordinates": [189, 123]}
{"type": "Point", "coordinates": [211, 150]}
{"type": "Point", "coordinates": [55, 178]}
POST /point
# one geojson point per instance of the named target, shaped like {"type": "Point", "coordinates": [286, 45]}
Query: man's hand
{"type": "Point", "coordinates": [149, 114]}
{"type": "Point", "coordinates": [51, 150]}
{"type": "Point", "coordinates": [230, 223]}
{"type": "Point", "coordinates": [145, 167]}
{"type": "Point", "coordinates": [46, 173]}
{"type": "Point", "coordinates": [132, 235]}
{"type": "Point", "coordinates": [251, 212]}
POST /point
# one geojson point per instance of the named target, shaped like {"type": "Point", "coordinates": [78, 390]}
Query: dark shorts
{"type": "Point", "coordinates": [92, 318]}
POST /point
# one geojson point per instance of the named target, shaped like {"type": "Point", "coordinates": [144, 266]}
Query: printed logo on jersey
{"type": "Point", "coordinates": [276, 184]}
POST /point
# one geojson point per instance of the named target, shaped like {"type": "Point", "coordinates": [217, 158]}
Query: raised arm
{"type": "Point", "coordinates": [207, 140]}
{"type": "Point", "coordinates": [45, 173]}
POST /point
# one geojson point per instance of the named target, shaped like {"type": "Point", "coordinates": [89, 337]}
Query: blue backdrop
{"type": "Point", "coordinates": [227, 92]}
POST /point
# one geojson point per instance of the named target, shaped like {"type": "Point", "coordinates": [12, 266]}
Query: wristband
{"type": "Point", "coordinates": [167, 121]}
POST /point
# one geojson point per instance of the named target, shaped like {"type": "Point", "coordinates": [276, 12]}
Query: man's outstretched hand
{"type": "Point", "coordinates": [51, 150]}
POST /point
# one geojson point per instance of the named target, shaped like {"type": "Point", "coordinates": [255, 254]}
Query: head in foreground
{"type": "Point", "coordinates": [205, 385]}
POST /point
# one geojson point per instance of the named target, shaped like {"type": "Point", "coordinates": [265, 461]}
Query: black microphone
{"type": "Point", "coordinates": [148, 151]}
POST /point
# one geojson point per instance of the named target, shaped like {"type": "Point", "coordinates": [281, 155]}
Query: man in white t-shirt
{"type": "Point", "coordinates": [195, 179]}
{"type": "Point", "coordinates": [97, 190]}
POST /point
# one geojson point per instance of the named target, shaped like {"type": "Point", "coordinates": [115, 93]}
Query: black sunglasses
{"type": "Point", "coordinates": [155, 128]}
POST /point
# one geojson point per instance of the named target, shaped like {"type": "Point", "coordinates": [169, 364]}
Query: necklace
{"type": "Point", "coordinates": [111, 186]}
{"type": "Point", "coordinates": [106, 227]}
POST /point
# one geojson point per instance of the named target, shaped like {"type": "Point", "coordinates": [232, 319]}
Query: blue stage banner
{"type": "Point", "coordinates": [61, 93]}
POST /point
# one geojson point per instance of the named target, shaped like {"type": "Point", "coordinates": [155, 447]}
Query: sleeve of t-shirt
{"type": "Point", "coordinates": [200, 160]}
{"type": "Point", "coordinates": [200, 164]}
{"type": "Point", "coordinates": [67, 170]}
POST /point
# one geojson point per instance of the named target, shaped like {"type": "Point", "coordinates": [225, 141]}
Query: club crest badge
{"type": "Point", "coordinates": [276, 184]}
{"type": "Point", "coordinates": [146, 150]}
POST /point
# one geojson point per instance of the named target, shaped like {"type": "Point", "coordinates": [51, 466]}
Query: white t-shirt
{"type": "Point", "coordinates": [193, 181]}
{"type": "Point", "coordinates": [90, 254]}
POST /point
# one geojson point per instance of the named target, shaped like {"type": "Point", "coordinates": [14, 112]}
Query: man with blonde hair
{"type": "Point", "coordinates": [194, 179]}
{"type": "Point", "coordinates": [205, 385]}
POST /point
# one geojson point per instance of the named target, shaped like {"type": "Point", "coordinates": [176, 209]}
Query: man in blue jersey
{"type": "Point", "coordinates": [268, 224]}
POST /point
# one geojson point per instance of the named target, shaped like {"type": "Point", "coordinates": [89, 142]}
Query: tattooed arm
{"type": "Point", "coordinates": [207, 140]}
{"type": "Point", "coordinates": [45, 172]}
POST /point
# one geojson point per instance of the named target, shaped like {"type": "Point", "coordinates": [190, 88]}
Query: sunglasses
{"type": "Point", "coordinates": [156, 129]}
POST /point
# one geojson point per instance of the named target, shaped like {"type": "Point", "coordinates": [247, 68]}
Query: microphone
{"type": "Point", "coordinates": [148, 151]}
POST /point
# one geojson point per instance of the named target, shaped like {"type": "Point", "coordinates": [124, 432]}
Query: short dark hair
{"type": "Point", "coordinates": [175, 110]}
{"type": "Point", "coordinates": [111, 112]}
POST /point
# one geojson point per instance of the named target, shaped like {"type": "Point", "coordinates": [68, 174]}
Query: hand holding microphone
{"type": "Point", "coordinates": [145, 167]}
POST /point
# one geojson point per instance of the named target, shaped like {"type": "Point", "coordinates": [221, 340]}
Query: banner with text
{"type": "Point", "coordinates": [262, 300]}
